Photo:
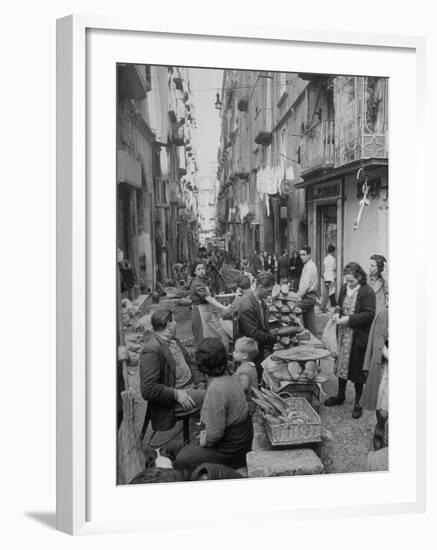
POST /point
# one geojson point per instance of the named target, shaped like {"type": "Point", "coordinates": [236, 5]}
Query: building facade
{"type": "Point", "coordinates": [157, 204]}
{"type": "Point", "coordinates": [258, 202]}
{"type": "Point", "coordinates": [298, 153]}
{"type": "Point", "coordinates": [344, 156]}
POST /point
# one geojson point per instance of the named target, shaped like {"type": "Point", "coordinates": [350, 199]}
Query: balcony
{"type": "Point", "coordinates": [179, 82]}
{"type": "Point", "coordinates": [263, 127]}
{"type": "Point", "coordinates": [128, 169]}
{"type": "Point", "coordinates": [361, 120]}
{"type": "Point", "coordinates": [318, 147]}
{"type": "Point", "coordinates": [178, 134]}
{"type": "Point", "coordinates": [134, 81]}
{"type": "Point", "coordinates": [316, 78]}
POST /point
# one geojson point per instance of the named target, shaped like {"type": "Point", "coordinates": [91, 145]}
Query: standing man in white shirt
{"type": "Point", "coordinates": [308, 286]}
{"type": "Point", "coordinates": [329, 279]}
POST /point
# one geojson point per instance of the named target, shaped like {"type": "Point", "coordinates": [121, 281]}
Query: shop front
{"type": "Point", "coordinates": [333, 207]}
{"type": "Point", "coordinates": [325, 220]}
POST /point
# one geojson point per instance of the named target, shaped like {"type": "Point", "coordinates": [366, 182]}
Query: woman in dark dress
{"type": "Point", "coordinates": [269, 264]}
{"type": "Point", "coordinates": [353, 316]}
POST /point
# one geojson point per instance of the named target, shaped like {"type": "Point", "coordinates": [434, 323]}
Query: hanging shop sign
{"type": "Point", "coordinates": [286, 187]}
{"type": "Point", "coordinates": [323, 191]}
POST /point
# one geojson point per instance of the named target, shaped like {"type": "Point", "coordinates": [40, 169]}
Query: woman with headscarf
{"type": "Point", "coordinates": [377, 281]}
{"type": "Point", "coordinates": [353, 316]}
{"type": "Point", "coordinates": [203, 317]}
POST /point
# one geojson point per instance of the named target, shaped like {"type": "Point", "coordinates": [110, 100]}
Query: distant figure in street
{"type": "Point", "coordinates": [295, 269]}
{"type": "Point", "coordinates": [257, 263]}
{"type": "Point", "coordinates": [329, 279]}
{"type": "Point", "coordinates": [264, 256]}
{"type": "Point", "coordinates": [269, 264]}
{"type": "Point", "coordinates": [204, 320]}
{"type": "Point", "coordinates": [212, 273]}
{"type": "Point", "coordinates": [377, 281]}
{"type": "Point", "coordinates": [276, 267]}
{"type": "Point", "coordinates": [307, 291]}
{"type": "Point", "coordinates": [219, 258]}
{"type": "Point", "coordinates": [353, 316]}
{"type": "Point", "coordinates": [228, 431]}
{"type": "Point", "coordinates": [283, 262]}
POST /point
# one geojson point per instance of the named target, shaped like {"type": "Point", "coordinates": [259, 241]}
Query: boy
{"type": "Point", "coordinates": [246, 349]}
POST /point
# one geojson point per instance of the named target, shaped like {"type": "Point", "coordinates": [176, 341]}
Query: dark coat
{"type": "Point", "coordinates": [283, 262]}
{"type": "Point", "coordinates": [269, 265]}
{"type": "Point", "coordinates": [158, 377]}
{"type": "Point", "coordinates": [360, 321]}
{"type": "Point", "coordinates": [373, 359]}
{"type": "Point", "coordinates": [257, 263]}
{"type": "Point", "coordinates": [253, 322]}
{"type": "Point", "coordinates": [295, 267]}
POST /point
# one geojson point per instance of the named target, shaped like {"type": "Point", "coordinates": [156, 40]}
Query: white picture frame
{"type": "Point", "coordinates": [76, 360]}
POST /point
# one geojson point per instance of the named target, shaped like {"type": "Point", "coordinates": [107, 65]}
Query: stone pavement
{"type": "Point", "coordinates": [347, 450]}
{"type": "Point", "coordinates": [290, 462]}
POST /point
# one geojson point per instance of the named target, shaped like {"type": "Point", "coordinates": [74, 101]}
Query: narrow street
{"type": "Point", "coordinates": [231, 178]}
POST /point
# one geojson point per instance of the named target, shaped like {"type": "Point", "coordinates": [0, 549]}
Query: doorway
{"type": "Point", "coordinates": [326, 232]}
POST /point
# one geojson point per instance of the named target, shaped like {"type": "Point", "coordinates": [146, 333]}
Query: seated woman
{"type": "Point", "coordinates": [228, 431]}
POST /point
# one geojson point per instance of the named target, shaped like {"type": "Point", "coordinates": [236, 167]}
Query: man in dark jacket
{"type": "Point", "coordinates": [169, 379]}
{"type": "Point", "coordinates": [253, 317]}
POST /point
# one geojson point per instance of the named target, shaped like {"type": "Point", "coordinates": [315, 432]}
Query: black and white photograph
{"type": "Point", "coordinates": [252, 264]}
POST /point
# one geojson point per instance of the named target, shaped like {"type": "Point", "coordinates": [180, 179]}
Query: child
{"type": "Point", "coordinates": [245, 350]}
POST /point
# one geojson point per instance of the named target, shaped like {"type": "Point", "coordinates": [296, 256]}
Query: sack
{"type": "Point", "coordinates": [329, 337]}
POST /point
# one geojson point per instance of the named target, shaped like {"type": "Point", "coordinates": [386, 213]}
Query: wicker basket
{"type": "Point", "coordinates": [293, 433]}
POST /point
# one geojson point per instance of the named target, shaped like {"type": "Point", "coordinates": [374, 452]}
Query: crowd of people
{"type": "Point", "coordinates": [216, 380]}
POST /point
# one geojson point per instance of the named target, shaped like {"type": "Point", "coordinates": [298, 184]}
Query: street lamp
{"type": "Point", "coordinates": [218, 104]}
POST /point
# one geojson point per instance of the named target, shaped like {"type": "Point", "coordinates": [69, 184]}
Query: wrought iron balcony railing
{"type": "Point", "coordinates": [361, 119]}
{"type": "Point", "coordinates": [318, 147]}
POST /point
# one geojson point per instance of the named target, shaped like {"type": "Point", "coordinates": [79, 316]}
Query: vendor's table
{"type": "Point", "coordinates": [309, 389]}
